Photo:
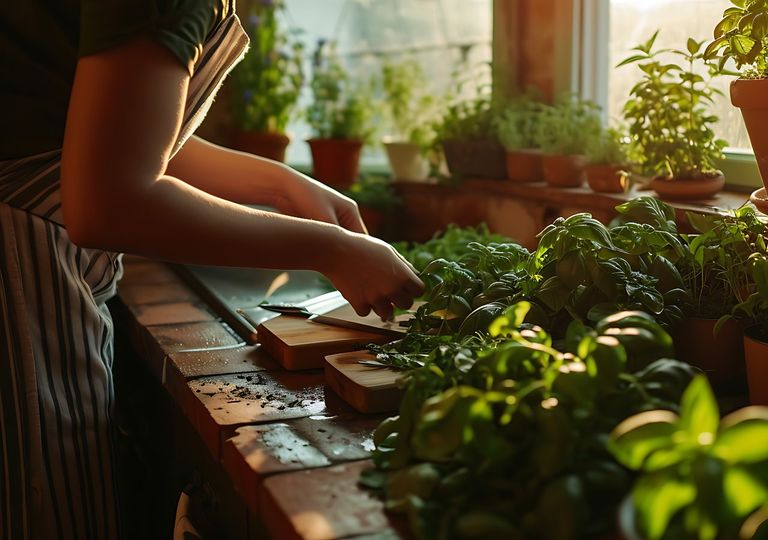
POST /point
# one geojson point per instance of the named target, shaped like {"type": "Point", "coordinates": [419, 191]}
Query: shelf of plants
{"type": "Point", "coordinates": [542, 394]}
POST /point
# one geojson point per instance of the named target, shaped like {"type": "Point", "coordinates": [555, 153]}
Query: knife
{"type": "Point", "coordinates": [316, 310]}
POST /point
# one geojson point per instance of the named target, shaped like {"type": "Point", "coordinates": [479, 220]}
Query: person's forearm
{"type": "Point", "coordinates": [232, 175]}
{"type": "Point", "coordinates": [173, 221]}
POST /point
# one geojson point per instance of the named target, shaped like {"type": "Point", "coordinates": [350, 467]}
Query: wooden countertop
{"type": "Point", "coordinates": [290, 447]}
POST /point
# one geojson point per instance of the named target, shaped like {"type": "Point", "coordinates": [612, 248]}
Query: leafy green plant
{"type": "Point", "coordinates": [754, 309]}
{"type": "Point", "coordinates": [610, 147]}
{"type": "Point", "coordinates": [567, 127]}
{"type": "Point", "coordinates": [451, 244]}
{"type": "Point", "coordinates": [742, 36]}
{"type": "Point", "coordinates": [374, 192]}
{"type": "Point", "coordinates": [341, 107]}
{"type": "Point", "coordinates": [516, 124]}
{"type": "Point", "coordinates": [496, 435]}
{"type": "Point", "coordinates": [699, 477]}
{"type": "Point", "coordinates": [410, 106]}
{"type": "Point", "coordinates": [669, 112]}
{"type": "Point", "coordinates": [718, 270]}
{"type": "Point", "coordinates": [267, 82]}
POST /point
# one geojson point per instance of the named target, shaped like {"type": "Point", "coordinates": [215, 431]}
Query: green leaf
{"type": "Point", "coordinates": [639, 436]}
{"type": "Point", "coordinates": [658, 497]}
{"type": "Point", "coordinates": [693, 46]}
{"type": "Point", "coordinates": [743, 492]}
{"type": "Point", "coordinates": [699, 415]}
{"type": "Point", "coordinates": [743, 437]}
{"type": "Point", "coordinates": [742, 45]}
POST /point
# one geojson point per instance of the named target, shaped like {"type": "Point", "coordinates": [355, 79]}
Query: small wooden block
{"type": "Point", "coordinates": [321, 504]}
{"type": "Point", "coordinates": [368, 389]}
{"type": "Point", "coordinates": [297, 343]}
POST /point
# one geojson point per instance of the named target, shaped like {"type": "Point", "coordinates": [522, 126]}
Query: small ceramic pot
{"type": "Point", "coordinates": [524, 165]}
{"type": "Point", "coordinates": [607, 178]}
{"type": "Point", "coordinates": [471, 159]}
{"type": "Point", "coordinates": [720, 356]}
{"type": "Point", "coordinates": [759, 198]}
{"type": "Point", "coordinates": [406, 161]}
{"type": "Point", "coordinates": [563, 171]}
{"type": "Point", "coordinates": [756, 359]}
{"type": "Point", "coordinates": [688, 189]}
{"type": "Point", "coordinates": [335, 162]}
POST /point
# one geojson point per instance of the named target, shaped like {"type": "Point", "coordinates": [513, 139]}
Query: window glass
{"type": "Point", "coordinates": [635, 21]}
{"type": "Point", "coordinates": [436, 33]}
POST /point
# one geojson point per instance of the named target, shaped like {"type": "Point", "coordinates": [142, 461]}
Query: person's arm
{"type": "Point", "coordinates": [124, 116]}
{"type": "Point", "coordinates": [247, 179]}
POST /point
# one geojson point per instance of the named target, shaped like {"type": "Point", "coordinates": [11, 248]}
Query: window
{"type": "Point", "coordinates": [437, 33]}
{"type": "Point", "coordinates": [631, 22]}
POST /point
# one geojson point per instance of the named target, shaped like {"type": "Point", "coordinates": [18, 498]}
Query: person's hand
{"type": "Point", "coordinates": [307, 198]}
{"type": "Point", "coordinates": [371, 275]}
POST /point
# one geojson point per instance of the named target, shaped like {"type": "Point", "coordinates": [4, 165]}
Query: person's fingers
{"type": "Point", "coordinates": [401, 299]}
{"type": "Point", "coordinates": [361, 308]}
{"type": "Point", "coordinates": [349, 218]}
{"type": "Point", "coordinates": [383, 309]}
{"type": "Point", "coordinates": [414, 286]}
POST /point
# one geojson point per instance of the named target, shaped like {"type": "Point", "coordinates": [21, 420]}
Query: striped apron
{"type": "Point", "coordinates": [56, 392]}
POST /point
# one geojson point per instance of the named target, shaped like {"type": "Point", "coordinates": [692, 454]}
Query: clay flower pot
{"type": "Point", "coordinates": [373, 219]}
{"type": "Point", "coordinates": [563, 171]}
{"type": "Point", "coordinates": [607, 178]}
{"type": "Point", "coordinates": [720, 356]}
{"type": "Point", "coordinates": [524, 165]}
{"type": "Point", "coordinates": [268, 145]}
{"type": "Point", "coordinates": [335, 162]}
{"type": "Point", "coordinates": [760, 199]}
{"type": "Point", "coordinates": [751, 96]}
{"type": "Point", "coordinates": [688, 189]}
{"type": "Point", "coordinates": [756, 359]}
{"type": "Point", "coordinates": [475, 159]}
{"type": "Point", "coordinates": [406, 161]}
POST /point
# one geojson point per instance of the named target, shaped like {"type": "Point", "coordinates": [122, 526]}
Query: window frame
{"type": "Point", "coordinates": [579, 63]}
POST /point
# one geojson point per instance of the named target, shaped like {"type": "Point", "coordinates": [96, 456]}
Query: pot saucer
{"type": "Point", "coordinates": [760, 199]}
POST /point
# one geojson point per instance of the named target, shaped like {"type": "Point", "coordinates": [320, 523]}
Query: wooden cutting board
{"type": "Point", "coordinates": [297, 343]}
{"type": "Point", "coordinates": [368, 389]}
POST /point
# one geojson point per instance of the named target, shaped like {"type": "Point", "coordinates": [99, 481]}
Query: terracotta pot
{"type": "Point", "coordinates": [756, 359]}
{"type": "Point", "coordinates": [524, 165]}
{"type": "Point", "coordinates": [472, 159]}
{"type": "Point", "coordinates": [268, 145]}
{"type": "Point", "coordinates": [759, 198]}
{"type": "Point", "coordinates": [607, 178]}
{"type": "Point", "coordinates": [751, 96]}
{"type": "Point", "coordinates": [721, 357]}
{"type": "Point", "coordinates": [406, 161]}
{"type": "Point", "coordinates": [373, 219]}
{"type": "Point", "coordinates": [688, 189]}
{"type": "Point", "coordinates": [564, 171]}
{"type": "Point", "coordinates": [335, 162]}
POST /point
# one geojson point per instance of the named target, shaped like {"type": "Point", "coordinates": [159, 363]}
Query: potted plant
{"type": "Point", "coordinates": [607, 168]}
{"type": "Point", "coordinates": [467, 135]}
{"type": "Point", "coordinates": [755, 310]}
{"type": "Point", "coordinates": [697, 476]}
{"type": "Point", "coordinates": [717, 270]}
{"type": "Point", "coordinates": [516, 126]}
{"type": "Point", "coordinates": [266, 84]}
{"type": "Point", "coordinates": [741, 36]}
{"type": "Point", "coordinates": [670, 122]}
{"type": "Point", "coordinates": [411, 109]}
{"type": "Point", "coordinates": [563, 132]}
{"type": "Point", "coordinates": [340, 116]}
{"type": "Point", "coordinates": [377, 202]}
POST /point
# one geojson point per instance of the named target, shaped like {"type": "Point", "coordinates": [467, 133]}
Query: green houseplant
{"type": "Point", "coordinates": [516, 127]}
{"type": "Point", "coordinates": [466, 132]}
{"type": "Point", "coordinates": [377, 201]}
{"type": "Point", "coordinates": [742, 37]}
{"type": "Point", "coordinates": [607, 168]}
{"type": "Point", "coordinates": [341, 119]}
{"type": "Point", "coordinates": [670, 121]}
{"type": "Point", "coordinates": [266, 84]}
{"type": "Point", "coordinates": [563, 131]}
{"type": "Point", "coordinates": [411, 110]}
{"type": "Point", "coordinates": [699, 477]}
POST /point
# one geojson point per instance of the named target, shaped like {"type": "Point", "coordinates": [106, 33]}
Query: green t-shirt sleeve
{"type": "Point", "coordinates": [179, 25]}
